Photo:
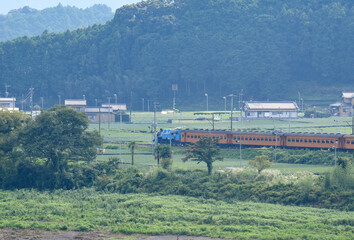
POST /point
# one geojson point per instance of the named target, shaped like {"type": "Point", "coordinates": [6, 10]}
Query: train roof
{"type": "Point", "coordinates": [307, 134]}
{"type": "Point", "coordinates": [349, 136]}
{"type": "Point", "coordinates": [234, 132]}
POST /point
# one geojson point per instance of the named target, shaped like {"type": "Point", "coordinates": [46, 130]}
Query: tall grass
{"type": "Point", "coordinates": [86, 210]}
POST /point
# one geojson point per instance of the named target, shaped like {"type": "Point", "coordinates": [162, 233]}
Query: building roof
{"type": "Point", "coordinates": [7, 99]}
{"type": "Point", "coordinates": [75, 102]}
{"type": "Point", "coordinates": [347, 94]}
{"type": "Point", "coordinates": [337, 104]}
{"type": "Point", "coordinates": [116, 107]}
{"type": "Point", "coordinates": [98, 110]}
{"type": "Point", "coordinates": [273, 106]}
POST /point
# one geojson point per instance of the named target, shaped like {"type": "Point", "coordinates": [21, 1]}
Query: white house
{"type": "Point", "coordinates": [268, 110]}
{"type": "Point", "coordinates": [8, 103]}
{"type": "Point", "coordinates": [77, 104]}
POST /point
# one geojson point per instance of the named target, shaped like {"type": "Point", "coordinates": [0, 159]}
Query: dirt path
{"type": "Point", "coordinates": [21, 234]}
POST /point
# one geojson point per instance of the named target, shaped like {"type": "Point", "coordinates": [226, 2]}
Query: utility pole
{"type": "Point", "coordinates": [109, 111]}
{"type": "Point", "coordinates": [84, 97]}
{"type": "Point", "coordinates": [6, 92]}
{"type": "Point", "coordinates": [31, 99]}
{"type": "Point", "coordinates": [143, 105]}
{"type": "Point", "coordinates": [275, 149]}
{"type": "Point", "coordinates": [22, 103]}
{"type": "Point", "coordinates": [207, 102]}
{"type": "Point", "coordinates": [116, 97]}
{"type": "Point", "coordinates": [59, 99]}
{"type": "Point", "coordinates": [174, 89]}
{"type": "Point", "coordinates": [42, 99]}
{"type": "Point", "coordinates": [225, 102]}
{"type": "Point", "coordinates": [148, 105]}
{"type": "Point", "coordinates": [240, 106]}
{"type": "Point", "coordinates": [155, 123]}
{"type": "Point", "coordinates": [99, 121]}
{"type": "Point", "coordinates": [232, 107]}
{"type": "Point", "coordinates": [239, 141]}
{"type": "Point", "coordinates": [96, 101]}
{"type": "Point", "coordinates": [131, 104]}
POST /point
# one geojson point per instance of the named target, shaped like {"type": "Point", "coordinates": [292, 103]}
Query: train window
{"type": "Point", "coordinates": [241, 138]}
{"type": "Point", "coordinates": [323, 141]}
{"type": "Point", "coordinates": [301, 140]}
{"type": "Point", "coordinates": [327, 141]}
{"type": "Point", "coordinates": [293, 140]}
{"type": "Point", "coordinates": [332, 141]}
{"type": "Point", "coordinates": [224, 137]}
{"type": "Point", "coordinates": [254, 139]}
{"type": "Point", "coordinates": [297, 140]}
{"type": "Point", "coordinates": [246, 138]}
{"type": "Point", "coordinates": [213, 137]}
{"type": "Point", "coordinates": [305, 140]}
{"type": "Point", "coordinates": [187, 136]}
{"type": "Point", "coordinates": [274, 140]}
{"type": "Point", "coordinates": [352, 142]}
{"type": "Point", "coordinates": [234, 138]}
{"type": "Point", "coordinates": [266, 139]}
{"type": "Point", "coordinates": [348, 142]}
{"type": "Point", "coordinates": [261, 139]}
{"type": "Point", "coordinates": [310, 141]}
{"type": "Point", "coordinates": [198, 136]}
{"type": "Point", "coordinates": [257, 139]}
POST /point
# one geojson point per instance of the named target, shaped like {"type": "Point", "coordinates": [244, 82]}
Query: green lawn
{"type": "Point", "coordinates": [86, 210]}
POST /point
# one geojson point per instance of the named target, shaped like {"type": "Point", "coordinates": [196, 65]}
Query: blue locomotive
{"type": "Point", "coordinates": [167, 136]}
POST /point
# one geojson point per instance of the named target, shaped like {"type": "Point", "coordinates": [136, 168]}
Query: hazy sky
{"type": "Point", "coordinates": [7, 5]}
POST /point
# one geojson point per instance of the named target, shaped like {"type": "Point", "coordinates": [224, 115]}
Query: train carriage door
{"type": "Point", "coordinates": [229, 138]}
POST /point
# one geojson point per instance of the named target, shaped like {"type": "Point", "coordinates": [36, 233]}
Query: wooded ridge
{"type": "Point", "coordinates": [271, 49]}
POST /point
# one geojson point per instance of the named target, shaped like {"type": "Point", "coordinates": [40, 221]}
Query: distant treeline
{"type": "Point", "coordinates": [31, 22]}
{"type": "Point", "coordinates": [271, 49]}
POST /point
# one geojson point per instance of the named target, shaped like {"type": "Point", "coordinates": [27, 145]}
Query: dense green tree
{"type": "Point", "coordinates": [260, 163]}
{"type": "Point", "coordinates": [59, 135]}
{"type": "Point", "coordinates": [205, 150]}
{"type": "Point", "coordinates": [10, 153]}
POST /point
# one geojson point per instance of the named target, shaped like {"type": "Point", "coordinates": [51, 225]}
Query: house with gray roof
{"type": "Point", "coordinates": [270, 110]}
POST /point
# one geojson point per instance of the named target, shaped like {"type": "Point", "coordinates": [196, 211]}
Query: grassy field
{"type": "Point", "coordinates": [140, 131]}
{"type": "Point", "coordinates": [144, 159]}
{"type": "Point", "coordinates": [86, 210]}
{"type": "Point", "coordinates": [140, 128]}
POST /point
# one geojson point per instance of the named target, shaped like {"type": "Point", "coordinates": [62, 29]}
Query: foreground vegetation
{"type": "Point", "coordinates": [85, 210]}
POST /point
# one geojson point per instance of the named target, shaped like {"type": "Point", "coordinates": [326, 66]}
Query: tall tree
{"type": "Point", "coordinates": [131, 146]}
{"type": "Point", "coordinates": [205, 150]}
{"type": "Point", "coordinates": [59, 135]}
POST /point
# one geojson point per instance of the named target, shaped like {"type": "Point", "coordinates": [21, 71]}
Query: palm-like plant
{"type": "Point", "coordinates": [132, 146]}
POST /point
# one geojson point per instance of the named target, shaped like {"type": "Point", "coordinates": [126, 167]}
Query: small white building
{"type": "Point", "coordinates": [77, 104]}
{"type": "Point", "coordinates": [268, 110]}
{"type": "Point", "coordinates": [116, 107]}
{"type": "Point", "coordinates": [8, 104]}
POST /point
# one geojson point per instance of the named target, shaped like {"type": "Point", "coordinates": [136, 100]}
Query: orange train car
{"type": "Point", "coordinates": [289, 140]}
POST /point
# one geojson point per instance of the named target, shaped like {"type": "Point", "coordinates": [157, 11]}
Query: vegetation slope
{"type": "Point", "coordinates": [271, 49]}
{"type": "Point", "coordinates": [30, 22]}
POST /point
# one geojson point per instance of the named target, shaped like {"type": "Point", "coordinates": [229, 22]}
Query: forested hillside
{"type": "Point", "coordinates": [269, 48]}
{"type": "Point", "coordinates": [30, 22]}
